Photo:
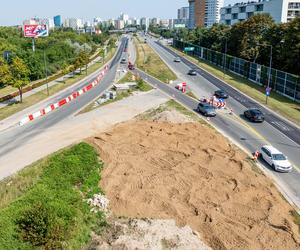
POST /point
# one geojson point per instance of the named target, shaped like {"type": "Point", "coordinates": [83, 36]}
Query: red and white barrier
{"type": "Point", "coordinates": [181, 87]}
{"type": "Point", "coordinates": [64, 101]}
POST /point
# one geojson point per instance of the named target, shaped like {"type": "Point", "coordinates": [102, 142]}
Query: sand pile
{"type": "Point", "coordinates": [147, 235]}
{"type": "Point", "coordinates": [189, 173]}
{"type": "Point", "coordinates": [172, 116]}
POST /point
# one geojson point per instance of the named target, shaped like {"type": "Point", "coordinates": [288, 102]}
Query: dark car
{"type": "Point", "coordinates": [177, 59]}
{"type": "Point", "coordinates": [254, 115]}
{"type": "Point", "coordinates": [131, 66]}
{"type": "Point", "coordinates": [206, 109]}
{"type": "Point", "coordinates": [221, 94]}
{"type": "Point", "coordinates": [123, 61]}
{"type": "Point", "coordinates": [192, 72]}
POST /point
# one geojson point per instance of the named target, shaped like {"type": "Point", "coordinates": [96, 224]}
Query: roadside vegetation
{"type": "Point", "coordinates": [62, 52]}
{"type": "Point", "coordinates": [44, 205]}
{"type": "Point", "coordinates": [249, 40]}
{"type": "Point", "coordinates": [42, 95]}
{"type": "Point", "coordinates": [278, 103]}
{"type": "Point", "coordinates": [148, 61]}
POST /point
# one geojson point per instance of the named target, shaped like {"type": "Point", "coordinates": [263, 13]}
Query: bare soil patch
{"type": "Point", "coordinates": [190, 173]}
{"type": "Point", "coordinates": [145, 234]}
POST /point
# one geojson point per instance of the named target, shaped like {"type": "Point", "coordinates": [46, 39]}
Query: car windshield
{"type": "Point", "coordinates": [278, 157]}
{"type": "Point", "coordinates": [209, 107]}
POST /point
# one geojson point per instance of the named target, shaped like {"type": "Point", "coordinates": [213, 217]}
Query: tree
{"type": "Point", "coordinates": [20, 75]}
{"type": "Point", "coordinates": [246, 37]}
{"type": "Point", "coordinates": [5, 75]}
{"type": "Point", "coordinates": [83, 59]}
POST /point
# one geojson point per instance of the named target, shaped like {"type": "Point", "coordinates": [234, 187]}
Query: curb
{"type": "Point", "coordinates": [64, 101]}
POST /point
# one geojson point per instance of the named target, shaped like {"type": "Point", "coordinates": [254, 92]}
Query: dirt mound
{"type": "Point", "coordinates": [147, 234]}
{"type": "Point", "coordinates": [172, 116]}
{"type": "Point", "coordinates": [190, 173]}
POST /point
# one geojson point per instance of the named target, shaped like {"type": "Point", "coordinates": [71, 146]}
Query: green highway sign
{"type": "Point", "coordinates": [186, 49]}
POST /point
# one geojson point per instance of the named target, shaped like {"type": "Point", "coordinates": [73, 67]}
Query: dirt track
{"type": "Point", "coordinates": [192, 174]}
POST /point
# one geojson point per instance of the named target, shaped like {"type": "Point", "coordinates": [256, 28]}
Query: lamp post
{"type": "Point", "coordinates": [46, 73]}
{"type": "Point", "coordinates": [225, 55]}
{"type": "Point", "coordinates": [270, 69]}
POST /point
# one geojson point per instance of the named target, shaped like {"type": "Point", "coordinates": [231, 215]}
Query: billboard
{"type": "Point", "coordinates": [35, 30]}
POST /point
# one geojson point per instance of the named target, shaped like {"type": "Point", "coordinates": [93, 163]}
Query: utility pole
{"type": "Point", "coordinates": [46, 73]}
{"type": "Point", "coordinates": [33, 44]}
{"type": "Point", "coordinates": [224, 60]}
{"type": "Point", "coordinates": [270, 72]}
{"type": "Point", "coordinates": [86, 62]}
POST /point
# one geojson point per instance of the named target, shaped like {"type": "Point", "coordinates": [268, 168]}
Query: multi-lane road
{"type": "Point", "coordinates": [275, 130]}
{"type": "Point", "coordinates": [17, 136]}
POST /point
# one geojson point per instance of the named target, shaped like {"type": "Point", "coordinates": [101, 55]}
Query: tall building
{"type": "Point", "coordinates": [57, 21]}
{"type": "Point", "coordinates": [144, 22]}
{"type": "Point", "coordinates": [119, 24]}
{"type": "Point", "coordinates": [74, 23]}
{"type": "Point", "coordinates": [204, 13]}
{"type": "Point", "coordinates": [191, 14]}
{"type": "Point", "coordinates": [155, 21]}
{"type": "Point", "coordinates": [164, 23]}
{"type": "Point", "coordinates": [281, 11]}
{"type": "Point", "coordinates": [183, 13]}
{"type": "Point", "coordinates": [48, 21]}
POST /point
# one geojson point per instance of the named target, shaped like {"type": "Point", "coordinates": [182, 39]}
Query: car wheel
{"type": "Point", "coordinates": [273, 166]}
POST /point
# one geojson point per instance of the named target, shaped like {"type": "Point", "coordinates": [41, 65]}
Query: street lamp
{"type": "Point", "coordinates": [46, 73]}
{"type": "Point", "coordinates": [270, 68]}
{"type": "Point", "coordinates": [224, 60]}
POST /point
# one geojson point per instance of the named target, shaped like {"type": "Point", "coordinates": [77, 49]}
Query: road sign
{"type": "Point", "coordinates": [268, 91]}
{"type": "Point", "coordinates": [188, 49]}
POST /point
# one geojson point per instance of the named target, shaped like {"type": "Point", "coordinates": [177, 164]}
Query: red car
{"type": "Point", "coordinates": [131, 66]}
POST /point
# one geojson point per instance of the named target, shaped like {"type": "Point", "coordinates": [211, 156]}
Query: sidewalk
{"type": "Point", "coordinates": [44, 86]}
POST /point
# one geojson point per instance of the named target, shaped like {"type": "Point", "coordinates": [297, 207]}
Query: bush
{"type": "Point", "coordinates": [35, 224]}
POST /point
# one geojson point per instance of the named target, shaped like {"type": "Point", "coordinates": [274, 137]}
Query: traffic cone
{"type": "Point", "coordinates": [256, 155]}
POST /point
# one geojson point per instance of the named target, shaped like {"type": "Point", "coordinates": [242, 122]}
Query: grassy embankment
{"type": "Point", "coordinates": [148, 61]}
{"type": "Point", "coordinates": [278, 103]}
{"type": "Point", "coordinates": [44, 204]}
{"type": "Point", "coordinates": [42, 95]}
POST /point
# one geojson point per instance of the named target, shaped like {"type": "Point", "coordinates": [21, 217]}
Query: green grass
{"type": "Point", "coordinates": [171, 105]}
{"type": "Point", "coordinates": [53, 191]}
{"type": "Point", "coordinates": [278, 103]}
{"type": "Point", "coordinates": [127, 78]}
{"type": "Point", "coordinates": [148, 61]}
{"type": "Point", "coordinates": [42, 95]}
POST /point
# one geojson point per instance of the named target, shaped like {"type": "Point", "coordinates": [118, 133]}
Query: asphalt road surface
{"type": "Point", "coordinates": [17, 136]}
{"type": "Point", "coordinates": [249, 135]}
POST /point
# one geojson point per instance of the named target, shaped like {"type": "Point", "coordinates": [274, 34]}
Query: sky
{"type": "Point", "coordinates": [13, 12]}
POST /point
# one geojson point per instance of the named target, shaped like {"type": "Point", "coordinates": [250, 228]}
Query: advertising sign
{"type": "Point", "coordinates": [36, 30]}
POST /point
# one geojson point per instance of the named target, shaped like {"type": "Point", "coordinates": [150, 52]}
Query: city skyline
{"type": "Point", "coordinates": [89, 9]}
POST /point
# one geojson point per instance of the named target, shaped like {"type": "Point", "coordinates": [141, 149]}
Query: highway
{"type": "Point", "coordinates": [17, 136]}
{"type": "Point", "coordinates": [250, 136]}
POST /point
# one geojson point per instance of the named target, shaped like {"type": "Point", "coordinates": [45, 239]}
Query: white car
{"type": "Point", "coordinates": [276, 159]}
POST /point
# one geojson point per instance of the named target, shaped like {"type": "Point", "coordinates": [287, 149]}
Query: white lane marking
{"type": "Point", "coordinates": [281, 125]}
